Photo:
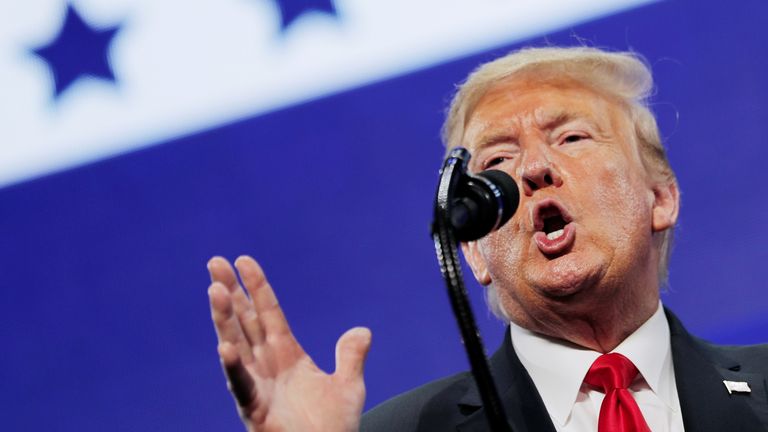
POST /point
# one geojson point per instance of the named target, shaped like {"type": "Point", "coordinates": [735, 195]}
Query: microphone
{"type": "Point", "coordinates": [482, 203]}
{"type": "Point", "coordinates": [467, 207]}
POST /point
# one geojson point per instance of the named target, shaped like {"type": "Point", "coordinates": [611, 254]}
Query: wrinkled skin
{"type": "Point", "coordinates": [564, 141]}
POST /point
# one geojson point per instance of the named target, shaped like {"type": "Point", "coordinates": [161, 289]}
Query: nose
{"type": "Point", "coordinates": [537, 171]}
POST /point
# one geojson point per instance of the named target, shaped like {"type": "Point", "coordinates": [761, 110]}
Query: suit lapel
{"type": "Point", "coordinates": [522, 403]}
{"type": "Point", "coordinates": [706, 404]}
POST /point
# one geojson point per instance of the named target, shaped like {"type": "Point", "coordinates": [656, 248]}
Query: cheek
{"type": "Point", "coordinates": [502, 250]}
{"type": "Point", "coordinates": [622, 201]}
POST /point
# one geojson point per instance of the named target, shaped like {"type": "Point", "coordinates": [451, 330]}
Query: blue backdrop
{"type": "Point", "coordinates": [105, 322]}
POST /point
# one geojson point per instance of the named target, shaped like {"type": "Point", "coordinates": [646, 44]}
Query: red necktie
{"type": "Point", "coordinates": [613, 373]}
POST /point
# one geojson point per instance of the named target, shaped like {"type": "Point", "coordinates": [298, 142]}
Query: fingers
{"type": "Point", "coordinates": [239, 381]}
{"type": "Point", "coordinates": [221, 271]}
{"type": "Point", "coordinates": [226, 322]}
{"type": "Point", "coordinates": [351, 351]}
{"type": "Point", "coordinates": [270, 315]}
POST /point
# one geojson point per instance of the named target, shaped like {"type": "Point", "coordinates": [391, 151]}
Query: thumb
{"type": "Point", "coordinates": [351, 351]}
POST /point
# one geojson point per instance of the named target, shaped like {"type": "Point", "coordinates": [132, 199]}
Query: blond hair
{"type": "Point", "coordinates": [620, 75]}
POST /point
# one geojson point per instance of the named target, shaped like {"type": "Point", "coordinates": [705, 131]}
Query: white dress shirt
{"type": "Point", "coordinates": [558, 369]}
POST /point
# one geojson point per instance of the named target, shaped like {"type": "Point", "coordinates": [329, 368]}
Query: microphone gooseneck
{"type": "Point", "coordinates": [467, 208]}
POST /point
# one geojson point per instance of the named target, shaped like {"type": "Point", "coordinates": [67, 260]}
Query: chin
{"type": "Point", "coordinates": [565, 277]}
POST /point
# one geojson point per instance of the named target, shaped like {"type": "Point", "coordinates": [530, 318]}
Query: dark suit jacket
{"type": "Point", "coordinates": [453, 403]}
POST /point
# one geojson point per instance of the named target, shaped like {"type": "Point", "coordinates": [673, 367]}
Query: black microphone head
{"type": "Point", "coordinates": [483, 203]}
{"type": "Point", "coordinates": [509, 192]}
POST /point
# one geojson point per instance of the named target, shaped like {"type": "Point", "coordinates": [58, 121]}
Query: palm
{"type": "Point", "coordinates": [276, 384]}
{"type": "Point", "coordinates": [298, 393]}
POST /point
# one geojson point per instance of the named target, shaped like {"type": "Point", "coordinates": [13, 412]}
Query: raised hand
{"type": "Point", "coordinates": [275, 383]}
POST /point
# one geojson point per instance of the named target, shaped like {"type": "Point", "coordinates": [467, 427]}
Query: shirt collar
{"type": "Point", "coordinates": [557, 367]}
{"type": "Point", "coordinates": [650, 350]}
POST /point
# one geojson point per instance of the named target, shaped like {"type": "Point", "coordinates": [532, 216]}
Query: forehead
{"type": "Point", "coordinates": [514, 105]}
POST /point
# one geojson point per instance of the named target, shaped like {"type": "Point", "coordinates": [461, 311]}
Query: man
{"type": "Point", "coordinates": [576, 272]}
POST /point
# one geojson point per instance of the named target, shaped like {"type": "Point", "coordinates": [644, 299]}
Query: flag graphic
{"type": "Point", "coordinates": [86, 84]}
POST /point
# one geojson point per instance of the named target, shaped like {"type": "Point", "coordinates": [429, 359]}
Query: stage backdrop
{"type": "Point", "coordinates": [139, 138]}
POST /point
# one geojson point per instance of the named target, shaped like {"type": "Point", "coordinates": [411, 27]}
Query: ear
{"type": "Point", "coordinates": [476, 262]}
{"type": "Point", "coordinates": [666, 204]}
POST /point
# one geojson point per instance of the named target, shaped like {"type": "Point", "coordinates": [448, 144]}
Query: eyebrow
{"type": "Point", "coordinates": [547, 121]}
{"type": "Point", "coordinates": [495, 138]}
{"type": "Point", "coordinates": [554, 118]}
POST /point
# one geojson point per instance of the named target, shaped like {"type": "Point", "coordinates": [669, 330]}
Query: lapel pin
{"type": "Point", "coordinates": [737, 387]}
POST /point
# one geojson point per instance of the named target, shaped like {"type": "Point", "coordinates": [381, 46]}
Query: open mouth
{"type": "Point", "coordinates": [552, 223]}
{"type": "Point", "coordinates": [551, 219]}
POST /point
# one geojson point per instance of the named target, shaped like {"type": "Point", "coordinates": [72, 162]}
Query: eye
{"type": "Point", "coordinates": [494, 161]}
{"type": "Point", "coordinates": [574, 137]}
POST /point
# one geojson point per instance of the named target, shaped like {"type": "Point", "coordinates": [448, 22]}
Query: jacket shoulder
{"type": "Point", "coordinates": [752, 358]}
{"type": "Point", "coordinates": [423, 408]}
{"type": "Point", "coordinates": [747, 358]}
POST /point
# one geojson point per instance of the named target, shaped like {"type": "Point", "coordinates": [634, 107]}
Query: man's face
{"type": "Point", "coordinates": [582, 239]}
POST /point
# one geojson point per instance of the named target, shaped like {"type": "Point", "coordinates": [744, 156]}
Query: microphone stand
{"type": "Point", "coordinates": [454, 168]}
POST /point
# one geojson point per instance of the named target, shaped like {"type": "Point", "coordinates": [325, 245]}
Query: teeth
{"type": "Point", "coordinates": [555, 234]}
